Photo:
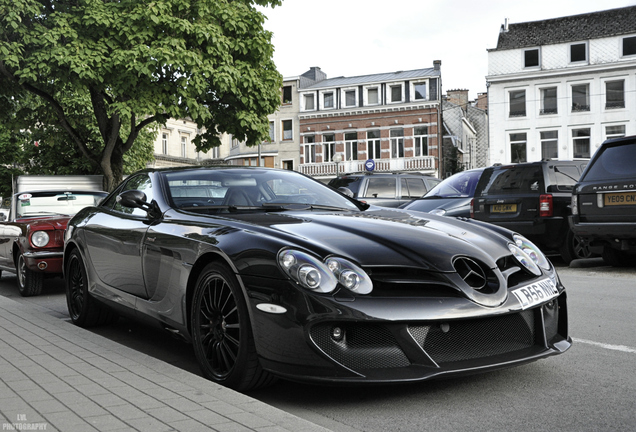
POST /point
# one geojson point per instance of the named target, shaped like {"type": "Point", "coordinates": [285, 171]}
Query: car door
{"type": "Point", "coordinates": [114, 239]}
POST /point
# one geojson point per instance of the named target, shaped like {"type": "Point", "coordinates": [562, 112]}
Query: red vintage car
{"type": "Point", "coordinates": [32, 236]}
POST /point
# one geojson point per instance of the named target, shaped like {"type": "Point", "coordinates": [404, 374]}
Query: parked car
{"type": "Point", "coordinates": [385, 189]}
{"type": "Point", "coordinates": [31, 238]}
{"type": "Point", "coordinates": [270, 273]}
{"type": "Point", "coordinates": [604, 202]}
{"type": "Point", "coordinates": [451, 197]}
{"type": "Point", "coordinates": [533, 199]}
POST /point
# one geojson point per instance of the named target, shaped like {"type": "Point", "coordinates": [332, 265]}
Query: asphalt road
{"type": "Point", "coordinates": [592, 387]}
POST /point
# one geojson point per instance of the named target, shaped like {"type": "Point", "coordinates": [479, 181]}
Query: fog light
{"type": "Point", "coordinates": [337, 334]}
{"type": "Point", "coordinates": [42, 265]}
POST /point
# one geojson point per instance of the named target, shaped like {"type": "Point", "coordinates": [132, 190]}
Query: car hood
{"type": "Point", "coordinates": [48, 223]}
{"type": "Point", "coordinates": [386, 237]}
{"type": "Point", "coordinates": [428, 204]}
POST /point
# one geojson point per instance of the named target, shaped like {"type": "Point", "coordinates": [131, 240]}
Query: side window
{"type": "Point", "coordinates": [381, 187]}
{"type": "Point", "coordinates": [413, 188]}
{"type": "Point", "coordinates": [139, 182]}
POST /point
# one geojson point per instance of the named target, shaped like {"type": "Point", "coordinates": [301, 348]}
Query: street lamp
{"type": "Point", "coordinates": [337, 158]}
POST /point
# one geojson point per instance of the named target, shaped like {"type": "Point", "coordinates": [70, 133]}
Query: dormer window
{"type": "Point", "coordinates": [419, 90]}
{"type": "Point", "coordinates": [629, 46]}
{"type": "Point", "coordinates": [308, 102]}
{"type": "Point", "coordinates": [328, 100]}
{"type": "Point", "coordinates": [531, 58]}
{"type": "Point", "coordinates": [349, 96]}
{"type": "Point", "coordinates": [372, 95]}
{"type": "Point", "coordinates": [395, 93]}
{"type": "Point", "coordinates": [578, 52]}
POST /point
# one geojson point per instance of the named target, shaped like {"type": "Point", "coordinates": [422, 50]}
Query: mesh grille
{"type": "Point", "coordinates": [361, 347]}
{"type": "Point", "coordinates": [474, 339]}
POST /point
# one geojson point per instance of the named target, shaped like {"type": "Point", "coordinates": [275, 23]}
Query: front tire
{"type": "Point", "coordinates": [29, 282]}
{"type": "Point", "coordinates": [222, 334]}
{"type": "Point", "coordinates": [82, 308]}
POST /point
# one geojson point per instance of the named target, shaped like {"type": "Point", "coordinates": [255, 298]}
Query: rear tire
{"type": "Point", "coordinates": [574, 248]}
{"type": "Point", "coordinates": [616, 258]}
{"type": "Point", "coordinates": [29, 282]}
{"type": "Point", "coordinates": [83, 309]}
{"type": "Point", "coordinates": [222, 334]}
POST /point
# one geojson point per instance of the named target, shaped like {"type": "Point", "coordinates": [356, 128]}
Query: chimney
{"type": "Point", "coordinates": [437, 64]}
{"type": "Point", "coordinates": [458, 97]}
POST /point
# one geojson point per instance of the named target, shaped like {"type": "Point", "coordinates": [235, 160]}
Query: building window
{"type": "Point", "coordinates": [373, 96]}
{"type": "Point", "coordinates": [164, 143]}
{"type": "Point", "coordinates": [395, 93]}
{"type": "Point", "coordinates": [615, 94]}
{"type": "Point", "coordinates": [518, 143]}
{"type": "Point", "coordinates": [419, 91]}
{"type": "Point", "coordinates": [184, 144]}
{"type": "Point", "coordinates": [531, 58]}
{"type": "Point", "coordinates": [350, 98]}
{"type": "Point", "coordinates": [327, 100]}
{"type": "Point", "coordinates": [614, 131]}
{"type": "Point", "coordinates": [549, 145]}
{"type": "Point", "coordinates": [374, 148]}
{"type": "Point", "coordinates": [328, 147]}
{"type": "Point", "coordinates": [309, 102]}
{"type": "Point", "coordinates": [287, 94]}
{"type": "Point", "coordinates": [549, 100]}
{"type": "Point", "coordinates": [309, 149]}
{"type": "Point", "coordinates": [233, 142]}
{"type": "Point", "coordinates": [420, 140]}
{"type": "Point", "coordinates": [629, 46]}
{"type": "Point", "coordinates": [578, 52]}
{"type": "Point", "coordinates": [272, 132]}
{"type": "Point", "coordinates": [580, 97]}
{"type": "Point", "coordinates": [287, 130]}
{"type": "Point", "coordinates": [518, 103]}
{"type": "Point", "coordinates": [351, 146]}
{"type": "Point", "coordinates": [581, 142]}
{"type": "Point", "coordinates": [397, 143]}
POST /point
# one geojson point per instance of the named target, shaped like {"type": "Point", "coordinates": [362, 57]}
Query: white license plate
{"type": "Point", "coordinates": [536, 293]}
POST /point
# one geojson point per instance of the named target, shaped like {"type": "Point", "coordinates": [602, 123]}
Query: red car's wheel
{"type": "Point", "coordinates": [29, 282]}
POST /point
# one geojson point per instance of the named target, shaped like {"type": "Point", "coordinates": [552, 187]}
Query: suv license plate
{"type": "Point", "coordinates": [536, 293]}
{"type": "Point", "coordinates": [503, 208]}
{"type": "Point", "coordinates": [620, 198]}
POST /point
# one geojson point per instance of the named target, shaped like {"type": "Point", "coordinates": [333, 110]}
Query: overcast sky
{"type": "Point", "coordinates": [361, 37]}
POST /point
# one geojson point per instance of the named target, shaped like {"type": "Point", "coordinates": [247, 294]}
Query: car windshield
{"type": "Point", "coordinates": [458, 185]}
{"type": "Point", "coordinates": [33, 204]}
{"type": "Point", "coordinates": [251, 189]}
{"type": "Point", "coordinates": [515, 179]}
{"type": "Point", "coordinates": [616, 162]}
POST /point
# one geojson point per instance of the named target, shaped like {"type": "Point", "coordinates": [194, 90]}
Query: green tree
{"type": "Point", "coordinates": [103, 72]}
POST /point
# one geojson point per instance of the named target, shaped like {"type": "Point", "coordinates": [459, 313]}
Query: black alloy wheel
{"type": "Point", "coordinates": [82, 308]}
{"type": "Point", "coordinates": [574, 247]}
{"type": "Point", "coordinates": [29, 282]}
{"type": "Point", "coordinates": [221, 331]}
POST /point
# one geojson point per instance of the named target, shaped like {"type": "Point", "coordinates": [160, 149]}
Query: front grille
{"type": "Point", "coordinates": [361, 346]}
{"type": "Point", "coordinates": [477, 338]}
{"type": "Point", "coordinates": [409, 282]}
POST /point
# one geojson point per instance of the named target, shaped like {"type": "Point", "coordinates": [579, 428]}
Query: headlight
{"type": "Point", "coordinates": [323, 277]}
{"type": "Point", "coordinates": [40, 238]}
{"type": "Point", "coordinates": [438, 212]}
{"type": "Point", "coordinates": [524, 259]}
{"type": "Point", "coordinates": [532, 251]}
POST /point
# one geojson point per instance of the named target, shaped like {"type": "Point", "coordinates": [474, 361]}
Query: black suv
{"type": "Point", "coordinates": [604, 202]}
{"type": "Point", "coordinates": [385, 189]}
{"type": "Point", "coordinates": [533, 199]}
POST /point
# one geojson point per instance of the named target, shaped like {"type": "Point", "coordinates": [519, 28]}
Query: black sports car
{"type": "Point", "coordinates": [270, 273]}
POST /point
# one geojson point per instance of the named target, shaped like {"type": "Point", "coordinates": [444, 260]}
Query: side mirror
{"type": "Point", "coordinates": [345, 191]}
{"type": "Point", "coordinates": [133, 199]}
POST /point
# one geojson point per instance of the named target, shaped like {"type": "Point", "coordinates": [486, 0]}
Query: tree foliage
{"type": "Point", "coordinates": [98, 73]}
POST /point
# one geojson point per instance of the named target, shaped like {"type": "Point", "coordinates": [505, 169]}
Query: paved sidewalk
{"type": "Point", "coordinates": [55, 376]}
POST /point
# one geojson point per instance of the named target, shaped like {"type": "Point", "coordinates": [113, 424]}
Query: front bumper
{"type": "Point", "coordinates": [334, 341]}
{"type": "Point", "coordinates": [44, 261]}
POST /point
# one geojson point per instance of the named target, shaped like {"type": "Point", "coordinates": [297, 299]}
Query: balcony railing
{"type": "Point", "coordinates": [425, 163]}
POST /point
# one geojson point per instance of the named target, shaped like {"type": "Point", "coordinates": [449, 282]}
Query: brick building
{"type": "Point", "coordinates": [390, 118]}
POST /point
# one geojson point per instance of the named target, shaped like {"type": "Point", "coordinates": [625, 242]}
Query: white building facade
{"type": "Point", "coordinates": [558, 88]}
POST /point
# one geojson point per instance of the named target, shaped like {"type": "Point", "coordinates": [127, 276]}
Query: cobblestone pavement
{"type": "Point", "coordinates": [55, 376]}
